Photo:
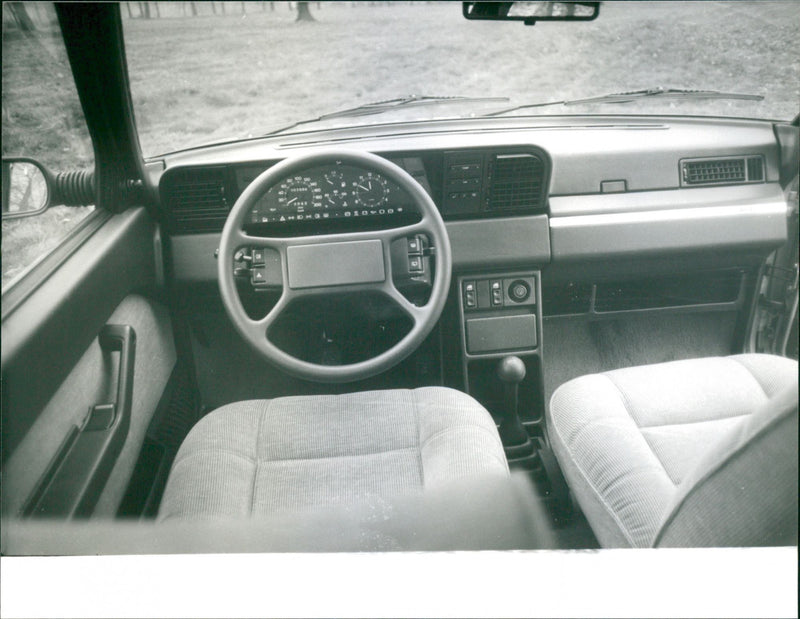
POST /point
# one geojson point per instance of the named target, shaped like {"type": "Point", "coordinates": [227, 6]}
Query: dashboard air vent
{"type": "Point", "coordinates": [516, 183]}
{"type": "Point", "coordinates": [724, 170]}
{"type": "Point", "coordinates": [196, 200]}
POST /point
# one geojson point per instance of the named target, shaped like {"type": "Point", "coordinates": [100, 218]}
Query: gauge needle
{"type": "Point", "coordinates": [364, 188]}
{"type": "Point", "coordinates": [290, 201]}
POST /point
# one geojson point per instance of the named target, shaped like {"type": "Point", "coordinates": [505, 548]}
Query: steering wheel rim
{"type": "Point", "coordinates": [424, 317]}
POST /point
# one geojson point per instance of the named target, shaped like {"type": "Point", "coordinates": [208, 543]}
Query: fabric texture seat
{"type": "Point", "coordinates": [700, 452]}
{"type": "Point", "coordinates": [263, 457]}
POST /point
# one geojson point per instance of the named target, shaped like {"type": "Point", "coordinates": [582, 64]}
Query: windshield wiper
{"type": "Point", "coordinates": [379, 107]}
{"type": "Point", "coordinates": [626, 97]}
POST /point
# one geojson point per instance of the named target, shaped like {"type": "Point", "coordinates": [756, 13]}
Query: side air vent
{"type": "Point", "coordinates": [196, 200]}
{"type": "Point", "coordinates": [516, 182]}
{"type": "Point", "coordinates": [722, 170]}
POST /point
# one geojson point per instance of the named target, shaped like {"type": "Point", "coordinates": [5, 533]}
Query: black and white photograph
{"type": "Point", "coordinates": [400, 308]}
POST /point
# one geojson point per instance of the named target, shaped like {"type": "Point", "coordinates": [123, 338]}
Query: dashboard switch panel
{"type": "Point", "coordinates": [496, 293]}
{"type": "Point", "coordinates": [499, 314]}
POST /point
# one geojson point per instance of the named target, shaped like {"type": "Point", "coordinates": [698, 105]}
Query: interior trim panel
{"type": "Point", "coordinates": [684, 229]}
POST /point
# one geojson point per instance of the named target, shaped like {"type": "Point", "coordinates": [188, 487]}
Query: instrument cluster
{"type": "Point", "coordinates": [329, 192]}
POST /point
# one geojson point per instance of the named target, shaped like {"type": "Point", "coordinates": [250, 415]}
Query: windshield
{"type": "Point", "coordinates": [205, 72]}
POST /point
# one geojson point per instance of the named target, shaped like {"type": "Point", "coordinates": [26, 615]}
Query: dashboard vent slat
{"type": "Point", "coordinates": [724, 170]}
{"type": "Point", "coordinates": [196, 200]}
{"type": "Point", "coordinates": [516, 183]}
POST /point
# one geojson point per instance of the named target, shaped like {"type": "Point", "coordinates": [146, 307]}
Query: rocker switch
{"type": "Point", "coordinates": [258, 276]}
{"type": "Point", "coordinates": [414, 245]}
{"type": "Point", "coordinates": [415, 264]}
{"type": "Point", "coordinates": [496, 292]}
{"type": "Point", "coordinates": [470, 297]}
{"type": "Point", "coordinates": [258, 256]}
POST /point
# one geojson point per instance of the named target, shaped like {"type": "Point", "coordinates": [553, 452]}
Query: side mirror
{"type": "Point", "coordinates": [531, 12]}
{"type": "Point", "coordinates": [27, 187]}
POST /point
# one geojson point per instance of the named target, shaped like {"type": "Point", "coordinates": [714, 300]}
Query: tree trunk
{"type": "Point", "coordinates": [158, 11]}
{"type": "Point", "coordinates": [194, 9]}
{"type": "Point", "coordinates": [21, 16]}
{"type": "Point", "coordinates": [213, 7]}
{"type": "Point", "coordinates": [303, 14]}
{"type": "Point", "coordinates": [128, 6]}
{"type": "Point", "coordinates": [244, 9]}
{"type": "Point", "coordinates": [37, 13]}
{"type": "Point", "coordinates": [223, 7]}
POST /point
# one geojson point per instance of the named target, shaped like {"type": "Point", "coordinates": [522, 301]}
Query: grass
{"type": "Point", "coordinates": [211, 77]}
{"type": "Point", "coordinates": [42, 118]}
{"type": "Point", "coordinates": [207, 78]}
{"type": "Point", "coordinates": [27, 240]}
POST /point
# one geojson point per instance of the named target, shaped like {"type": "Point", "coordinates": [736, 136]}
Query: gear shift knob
{"type": "Point", "coordinates": [511, 370]}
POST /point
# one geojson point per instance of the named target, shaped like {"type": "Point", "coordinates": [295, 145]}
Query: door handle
{"type": "Point", "coordinates": [121, 339]}
{"type": "Point", "coordinates": [76, 476]}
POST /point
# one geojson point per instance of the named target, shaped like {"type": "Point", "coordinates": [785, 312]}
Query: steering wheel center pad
{"type": "Point", "coordinates": [335, 264]}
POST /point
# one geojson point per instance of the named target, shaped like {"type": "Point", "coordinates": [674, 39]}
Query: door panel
{"type": "Point", "coordinates": [55, 369]}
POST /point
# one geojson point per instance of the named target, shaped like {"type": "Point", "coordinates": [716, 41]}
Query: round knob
{"type": "Point", "coordinates": [518, 291]}
{"type": "Point", "coordinates": [511, 370]}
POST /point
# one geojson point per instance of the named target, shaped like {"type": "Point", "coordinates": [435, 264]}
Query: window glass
{"type": "Point", "coordinates": [210, 71]}
{"type": "Point", "coordinates": [42, 119]}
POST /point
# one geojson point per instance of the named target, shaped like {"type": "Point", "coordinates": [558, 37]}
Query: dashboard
{"type": "Point", "coordinates": [564, 193]}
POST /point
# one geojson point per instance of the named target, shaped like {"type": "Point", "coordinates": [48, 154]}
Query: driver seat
{"type": "Point", "coordinates": [261, 457]}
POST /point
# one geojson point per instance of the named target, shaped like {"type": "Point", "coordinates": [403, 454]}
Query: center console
{"type": "Point", "coordinates": [501, 332]}
{"type": "Point", "coordinates": [500, 316]}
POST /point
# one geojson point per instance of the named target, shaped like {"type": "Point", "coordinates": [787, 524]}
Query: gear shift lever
{"type": "Point", "coordinates": [511, 371]}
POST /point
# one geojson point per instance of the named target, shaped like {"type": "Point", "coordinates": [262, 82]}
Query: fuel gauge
{"type": "Point", "coordinates": [335, 178]}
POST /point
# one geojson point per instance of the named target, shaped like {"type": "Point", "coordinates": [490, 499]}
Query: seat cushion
{"type": "Point", "coordinates": [287, 454]}
{"type": "Point", "coordinates": [630, 440]}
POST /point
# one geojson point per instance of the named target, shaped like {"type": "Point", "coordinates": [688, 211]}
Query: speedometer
{"type": "Point", "coordinates": [299, 194]}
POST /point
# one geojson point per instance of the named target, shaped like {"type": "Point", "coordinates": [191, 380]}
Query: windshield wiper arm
{"type": "Point", "coordinates": [378, 107]}
{"type": "Point", "coordinates": [626, 97]}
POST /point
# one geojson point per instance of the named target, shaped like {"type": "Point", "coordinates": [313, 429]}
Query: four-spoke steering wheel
{"type": "Point", "coordinates": [335, 263]}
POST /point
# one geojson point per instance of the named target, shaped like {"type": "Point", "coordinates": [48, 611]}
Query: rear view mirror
{"type": "Point", "coordinates": [531, 12]}
{"type": "Point", "coordinates": [27, 188]}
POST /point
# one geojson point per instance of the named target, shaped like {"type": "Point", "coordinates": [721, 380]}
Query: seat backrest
{"type": "Point", "coordinates": [744, 491]}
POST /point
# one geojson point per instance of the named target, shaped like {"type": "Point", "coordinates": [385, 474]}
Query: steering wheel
{"type": "Point", "coordinates": [335, 263]}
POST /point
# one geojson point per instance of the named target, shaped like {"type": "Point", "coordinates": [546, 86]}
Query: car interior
{"type": "Point", "coordinates": [492, 333]}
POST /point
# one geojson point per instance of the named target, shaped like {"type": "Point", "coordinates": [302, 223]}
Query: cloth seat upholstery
{"type": "Point", "coordinates": [684, 453]}
{"type": "Point", "coordinates": [262, 457]}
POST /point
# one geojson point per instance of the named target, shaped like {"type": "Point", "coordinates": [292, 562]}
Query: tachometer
{"type": "Point", "coordinates": [371, 190]}
{"type": "Point", "coordinates": [299, 194]}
